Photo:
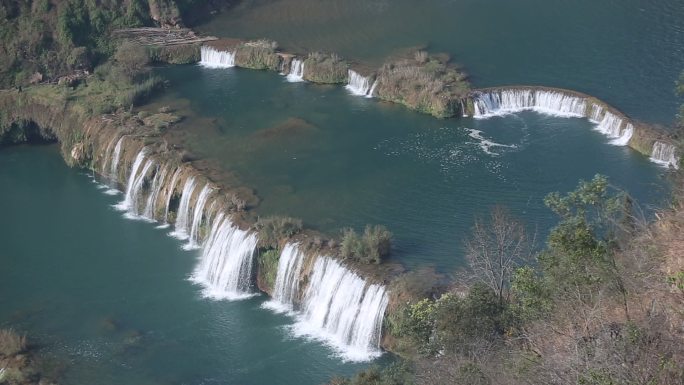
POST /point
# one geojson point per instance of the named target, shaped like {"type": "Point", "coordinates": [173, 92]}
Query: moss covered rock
{"type": "Point", "coordinates": [267, 269]}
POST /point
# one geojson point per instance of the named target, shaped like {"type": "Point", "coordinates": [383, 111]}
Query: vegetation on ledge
{"type": "Point", "coordinates": [17, 366]}
{"type": "Point", "coordinates": [325, 68]}
{"type": "Point", "coordinates": [175, 54]}
{"type": "Point", "coordinates": [258, 55]}
{"type": "Point", "coordinates": [368, 248]}
{"type": "Point", "coordinates": [423, 83]}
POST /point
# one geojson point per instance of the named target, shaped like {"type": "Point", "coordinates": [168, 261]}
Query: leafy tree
{"type": "Point", "coordinates": [532, 298]}
{"type": "Point", "coordinates": [466, 325]}
{"type": "Point", "coordinates": [582, 249]}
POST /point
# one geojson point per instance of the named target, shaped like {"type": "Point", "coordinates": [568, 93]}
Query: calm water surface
{"type": "Point", "coordinates": [336, 160]}
{"type": "Point", "coordinates": [109, 297]}
{"type": "Point", "coordinates": [627, 52]}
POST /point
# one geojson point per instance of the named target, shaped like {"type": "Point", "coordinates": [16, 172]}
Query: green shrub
{"type": "Point", "coordinates": [274, 229]}
{"type": "Point", "coordinates": [369, 248]}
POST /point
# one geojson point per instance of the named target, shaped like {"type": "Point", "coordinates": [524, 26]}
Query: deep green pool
{"type": "Point", "coordinates": [110, 297]}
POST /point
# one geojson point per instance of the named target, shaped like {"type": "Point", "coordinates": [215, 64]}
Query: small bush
{"type": "Point", "coordinates": [11, 343]}
{"type": "Point", "coordinates": [368, 248]}
{"type": "Point", "coordinates": [274, 229]}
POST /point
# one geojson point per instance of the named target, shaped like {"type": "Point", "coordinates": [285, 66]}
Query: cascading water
{"type": "Point", "coordinates": [286, 289]}
{"type": "Point", "coordinates": [611, 125]}
{"type": "Point", "coordinates": [502, 102]}
{"type": "Point", "coordinates": [107, 157]}
{"type": "Point", "coordinates": [169, 194]}
{"type": "Point", "coordinates": [155, 189]}
{"type": "Point", "coordinates": [133, 194]}
{"type": "Point", "coordinates": [212, 58]}
{"type": "Point", "coordinates": [198, 214]}
{"type": "Point", "coordinates": [358, 84]}
{"type": "Point", "coordinates": [555, 103]}
{"type": "Point", "coordinates": [112, 173]}
{"type": "Point", "coordinates": [372, 89]}
{"type": "Point", "coordinates": [340, 308]}
{"type": "Point", "coordinates": [296, 71]}
{"type": "Point", "coordinates": [665, 154]}
{"type": "Point", "coordinates": [225, 266]}
{"type": "Point", "coordinates": [183, 215]}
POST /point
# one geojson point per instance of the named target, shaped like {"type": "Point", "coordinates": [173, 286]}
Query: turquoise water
{"type": "Point", "coordinates": [336, 160]}
{"type": "Point", "coordinates": [626, 52]}
{"type": "Point", "coordinates": [109, 297]}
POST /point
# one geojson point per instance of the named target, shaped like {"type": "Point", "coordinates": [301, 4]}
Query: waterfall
{"type": "Point", "coordinates": [155, 189]}
{"type": "Point", "coordinates": [107, 157]}
{"type": "Point", "coordinates": [665, 154]}
{"type": "Point", "coordinates": [296, 71]}
{"type": "Point", "coordinates": [611, 125]}
{"type": "Point", "coordinates": [358, 85]}
{"type": "Point", "coordinates": [112, 173]}
{"type": "Point", "coordinates": [555, 103]}
{"type": "Point", "coordinates": [625, 136]}
{"type": "Point", "coordinates": [183, 214]}
{"type": "Point", "coordinates": [169, 194]}
{"type": "Point", "coordinates": [198, 214]}
{"type": "Point", "coordinates": [372, 89]}
{"type": "Point", "coordinates": [212, 58]}
{"type": "Point", "coordinates": [286, 289]}
{"type": "Point", "coordinates": [133, 195]}
{"type": "Point", "coordinates": [225, 266]}
{"type": "Point", "coordinates": [340, 308]}
{"type": "Point", "coordinates": [502, 102]}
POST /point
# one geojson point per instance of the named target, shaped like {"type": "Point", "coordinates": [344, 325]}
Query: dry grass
{"type": "Point", "coordinates": [423, 83]}
{"type": "Point", "coordinates": [325, 68]}
{"type": "Point", "coordinates": [11, 343]}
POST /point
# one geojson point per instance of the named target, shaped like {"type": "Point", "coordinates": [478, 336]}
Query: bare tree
{"type": "Point", "coordinates": [496, 247]}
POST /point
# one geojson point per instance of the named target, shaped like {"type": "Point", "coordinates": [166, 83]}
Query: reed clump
{"type": "Point", "coordinates": [11, 342]}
